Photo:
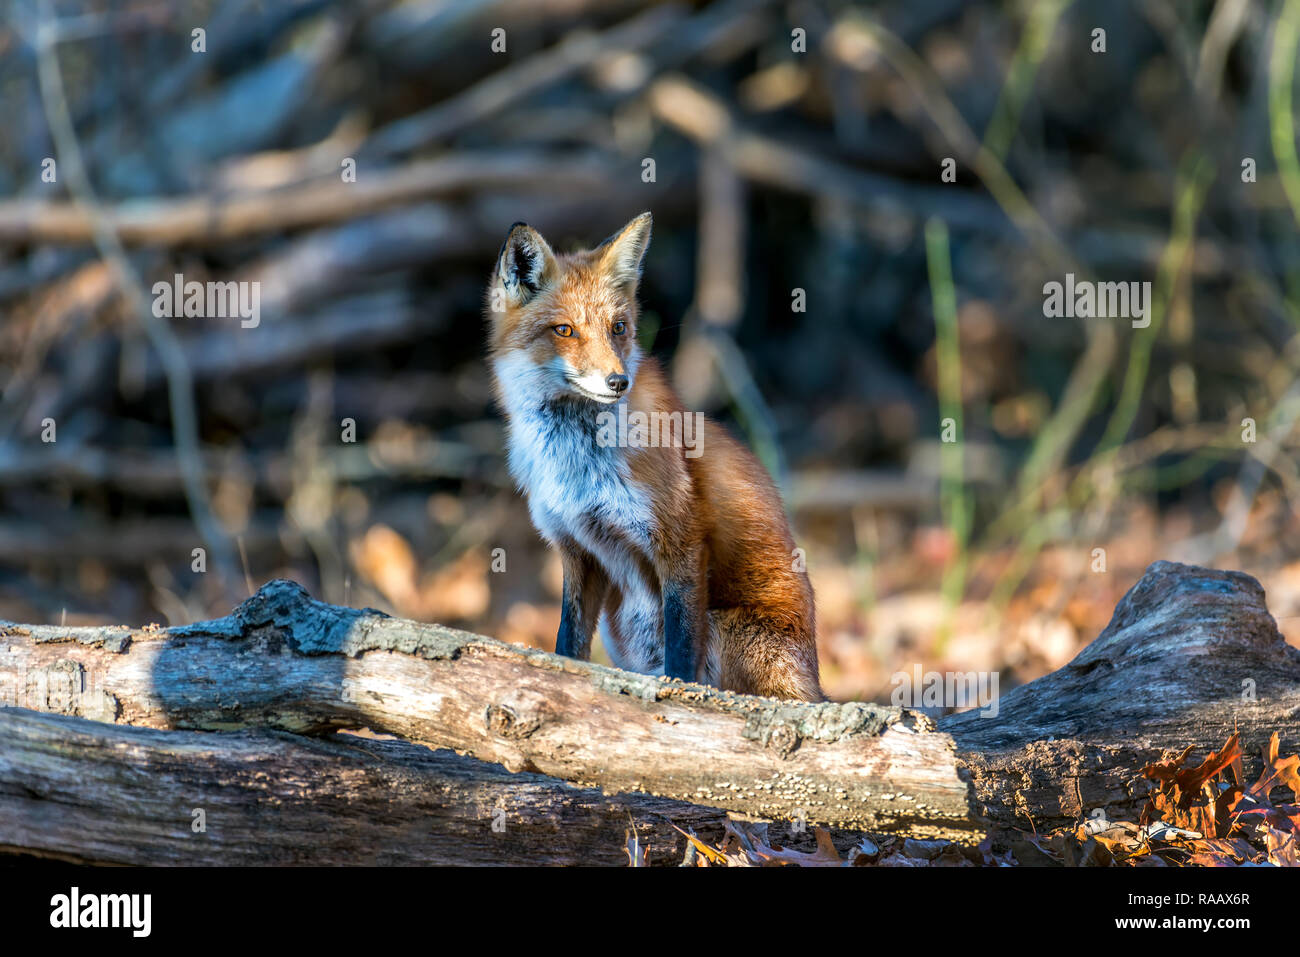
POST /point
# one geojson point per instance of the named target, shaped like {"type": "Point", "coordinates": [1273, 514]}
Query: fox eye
{"type": "Point", "coordinates": [564, 329]}
{"type": "Point", "coordinates": [620, 327]}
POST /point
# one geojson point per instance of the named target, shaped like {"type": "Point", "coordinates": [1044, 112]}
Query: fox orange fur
{"type": "Point", "coordinates": [682, 557]}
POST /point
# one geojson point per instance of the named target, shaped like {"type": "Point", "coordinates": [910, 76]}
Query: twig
{"type": "Point", "coordinates": [1286, 38]}
{"type": "Point", "coordinates": [954, 500]}
{"type": "Point", "coordinates": [179, 385]}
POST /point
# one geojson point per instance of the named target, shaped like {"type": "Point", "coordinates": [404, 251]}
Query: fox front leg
{"type": "Point", "coordinates": [685, 622]}
{"type": "Point", "coordinates": [585, 586]}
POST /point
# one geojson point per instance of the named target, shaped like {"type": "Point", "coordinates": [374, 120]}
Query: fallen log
{"type": "Point", "coordinates": [1190, 655]}
{"type": "Point", "coordinates": [89, 792]}
{"type": "Point", "coordinates": [286, 661]}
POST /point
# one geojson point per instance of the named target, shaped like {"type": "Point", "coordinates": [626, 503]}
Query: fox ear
{"type": "Point", "coordinates": [526, 263]}
{"type": "Point", "coordinates": [623, 252]}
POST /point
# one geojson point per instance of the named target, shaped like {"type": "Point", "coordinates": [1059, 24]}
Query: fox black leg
{"type": "Point", "coordinates": [680, 626]}
{"type": "Point", "coordinates": [567, 640]}
{"type": "Point", "coordinates": [585, 586]}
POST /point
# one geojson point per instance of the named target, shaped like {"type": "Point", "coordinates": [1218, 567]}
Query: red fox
{"type": "Point", "coordinates": [678, 551]}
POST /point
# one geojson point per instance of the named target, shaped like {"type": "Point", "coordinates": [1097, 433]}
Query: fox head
{"type": "Point", "coordinates": [565, 326]}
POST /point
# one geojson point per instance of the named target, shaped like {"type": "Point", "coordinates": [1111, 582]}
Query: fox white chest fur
{"type": "Point", "coordinates": [583, 492]}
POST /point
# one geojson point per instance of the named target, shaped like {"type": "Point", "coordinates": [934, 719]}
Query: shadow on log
{"type": "Point", "coordinates": [1190, 654]}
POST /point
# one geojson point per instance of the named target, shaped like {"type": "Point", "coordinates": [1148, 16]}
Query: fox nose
{"type": "Point", "coordinates": [617, 382]}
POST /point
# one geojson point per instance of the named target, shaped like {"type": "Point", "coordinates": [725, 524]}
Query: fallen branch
{"type": "Point", "coordinates": [517, 82]}
{"type": "Point", "coordinates": [706, 120]}
{"type": "Point", "coordinates": [216, 219]}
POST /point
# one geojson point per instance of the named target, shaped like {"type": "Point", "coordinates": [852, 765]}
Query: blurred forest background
{"type": "Point", "coordinates": [812, 280]}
